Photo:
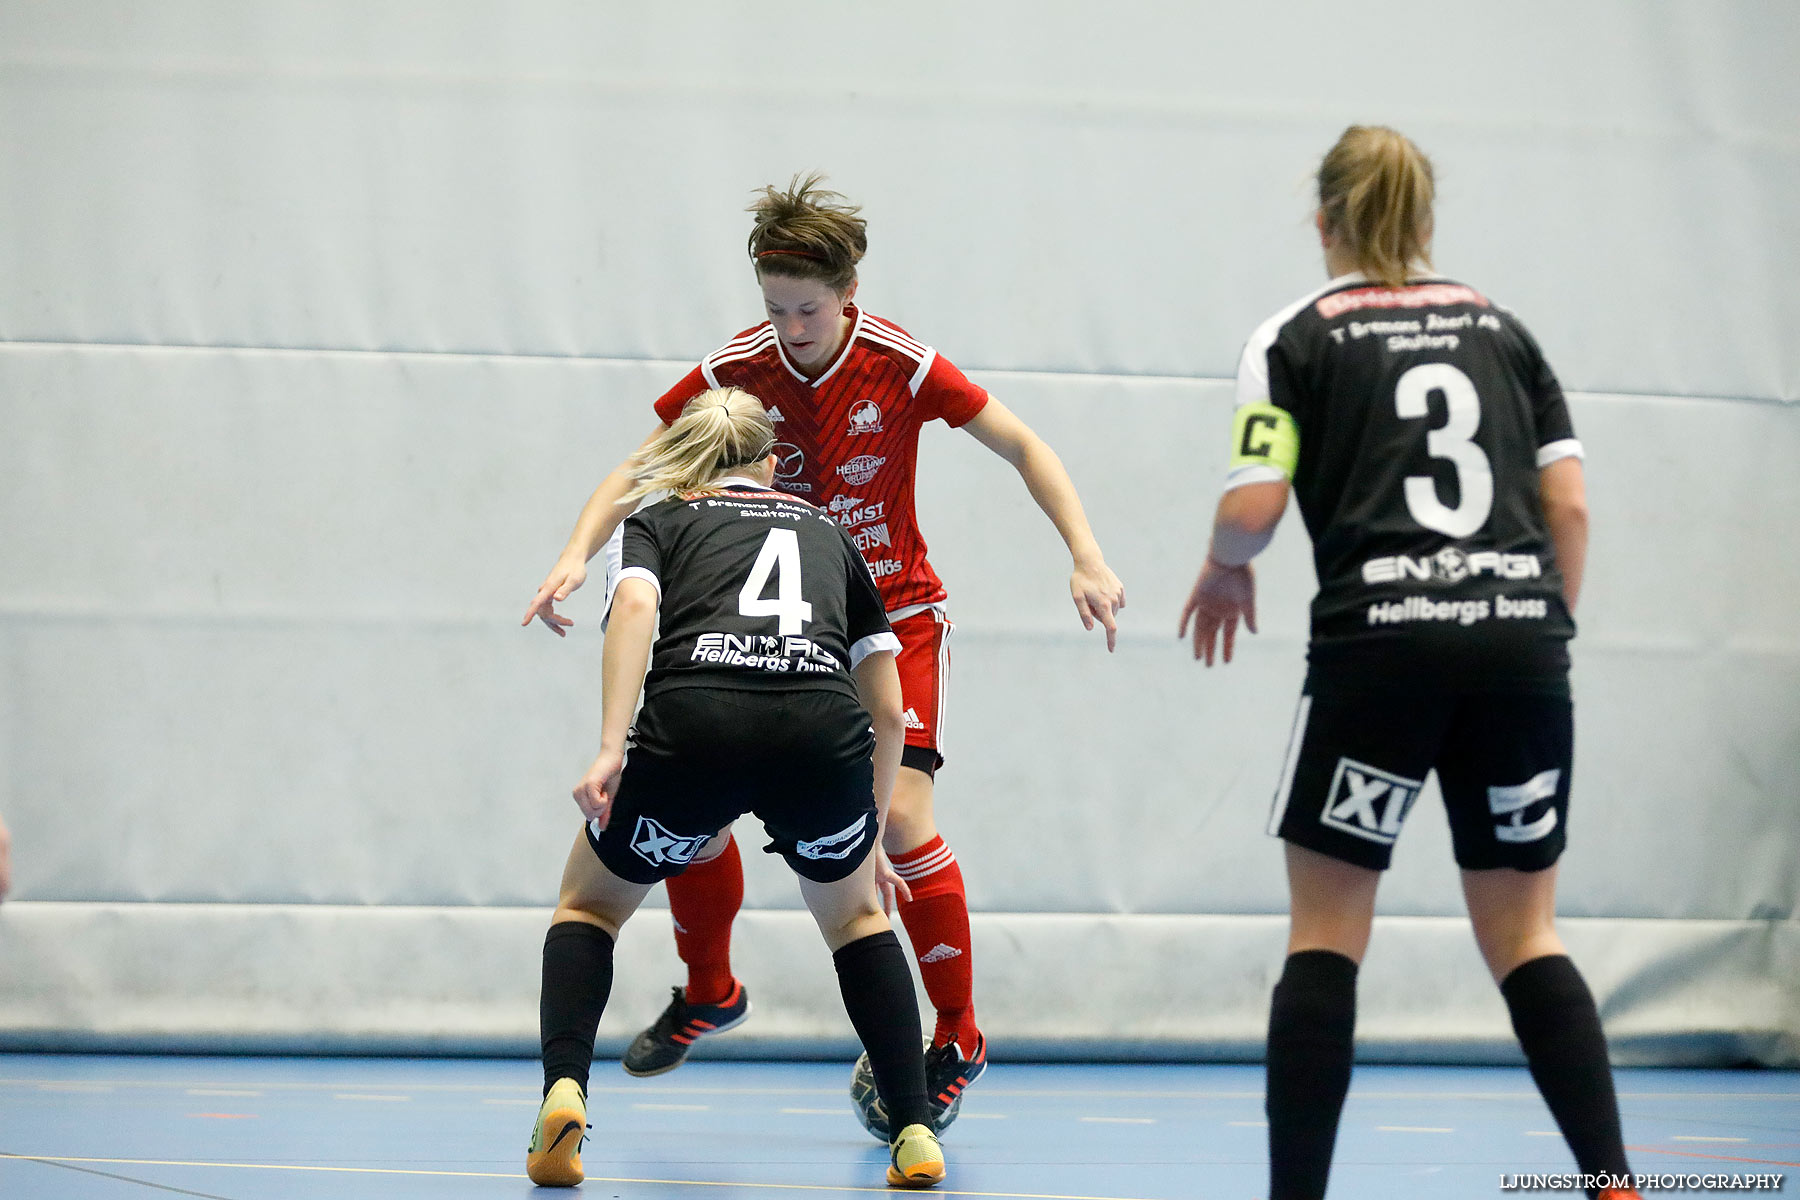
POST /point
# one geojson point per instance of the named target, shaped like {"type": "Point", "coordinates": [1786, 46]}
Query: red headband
{"type": "Point", "coordinates": [795, 253]}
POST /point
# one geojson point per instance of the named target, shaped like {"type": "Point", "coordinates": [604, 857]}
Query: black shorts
{"type": "Point", "coordinates": [1357, 761]}
{"type": "Point", "coordinates": [699, 758]}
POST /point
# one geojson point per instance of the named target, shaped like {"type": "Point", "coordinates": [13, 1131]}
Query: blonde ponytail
{"type": "Point", "coordinates": [1375, 190]}
{"type": "Point", "coordinates": [717, 431]}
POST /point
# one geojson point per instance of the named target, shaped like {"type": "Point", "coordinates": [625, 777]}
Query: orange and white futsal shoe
{"type": "Point", "coordinates": [554, 1157]}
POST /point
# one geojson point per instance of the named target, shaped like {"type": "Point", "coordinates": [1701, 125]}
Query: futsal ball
{"type": "Point", "coordinates": [866, 1101]}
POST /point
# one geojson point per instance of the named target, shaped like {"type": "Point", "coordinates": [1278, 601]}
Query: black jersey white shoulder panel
{"type": "Point", "coordinates": [1253, 379]}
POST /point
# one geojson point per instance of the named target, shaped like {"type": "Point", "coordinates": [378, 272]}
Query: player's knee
{"type": "Point", "coordinates": [1505, 945]}
{"type": "Point", "coordinates": [569, 909]}
{"type": "Point", "coordinates": [844, 924]}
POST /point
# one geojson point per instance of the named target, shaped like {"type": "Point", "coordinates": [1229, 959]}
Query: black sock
{"type": "Point", "coordinates": [877, 985]}
{"type": "Point", "coordinates": [1559, 1029]}
{"type": "Point", "coordinates": [578, 970]}
{"type": "Point", "coordinates": [1312, 1028]}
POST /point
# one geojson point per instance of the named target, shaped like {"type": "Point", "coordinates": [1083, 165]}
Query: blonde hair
{"type": "Point", "coordinates": [807, 232]}
{"type": "Point", "coordinates": [1375, 190]}
{"type": "Point", "coordinates": [716, 432]}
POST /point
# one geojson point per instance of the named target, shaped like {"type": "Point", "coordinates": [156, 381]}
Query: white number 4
{"type": "Point", "coordinates": [780, 554]}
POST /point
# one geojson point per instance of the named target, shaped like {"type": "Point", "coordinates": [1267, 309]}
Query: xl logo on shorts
{"type": "Point", "coordinates": [1512, 802]}
{"type": "Point", "coordinates": [1368, 802]}
{"type": "Point", "coordinates": [659, 847]}
{"type": "Point", "coordinates": [837, 845]}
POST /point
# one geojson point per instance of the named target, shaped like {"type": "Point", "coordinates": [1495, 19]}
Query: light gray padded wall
{"type": "Point", "coordinates": [319, 324]}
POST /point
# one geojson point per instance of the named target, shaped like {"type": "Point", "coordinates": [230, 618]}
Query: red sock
{"type": "Point", "coordinates": [703, 900]}
{"type": "Point", "coordinates": [937, 922]}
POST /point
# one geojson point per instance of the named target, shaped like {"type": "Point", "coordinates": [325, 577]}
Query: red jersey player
{"type": "Point", "coordinates": [848, 393]}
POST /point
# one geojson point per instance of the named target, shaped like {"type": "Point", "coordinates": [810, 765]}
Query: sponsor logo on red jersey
{"type": "Point", "coordinates": [861, 469]}
{"type": "Point", "coordinates": [871, 536]}
{"type": "Point", "coordinates": [865, 417]}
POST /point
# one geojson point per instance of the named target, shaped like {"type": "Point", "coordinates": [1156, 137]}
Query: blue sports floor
{"type": "Point", "coordinates": [138, 1128]}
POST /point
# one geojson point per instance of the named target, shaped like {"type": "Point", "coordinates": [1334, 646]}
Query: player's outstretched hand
{"type": "Point", "coordinates": [1221, 595]}
{"type": "Point", "coordinates": [594, 794]}
{"type": "Point", "coordinates": [888, 883]}
{"type": "Point", "coordinates": [1098, 596]}
{"type": "Point", "coordinates": [563, 579]}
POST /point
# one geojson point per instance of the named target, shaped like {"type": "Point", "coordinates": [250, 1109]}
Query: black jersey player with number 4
{"type": "Point", "coordinates": [1438, 475]}
{"type": "Point", "coordinates": [771, 689]}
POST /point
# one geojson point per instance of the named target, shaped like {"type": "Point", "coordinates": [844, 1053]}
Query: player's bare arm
{"type": "Point", "coordinates": [623, 664]}
{"type": "Point", "coordinates": [1225, 591]}
{"type": "Point", "coordinates": [1563, 489]}
{"type": "Point", "coordinates": [878, 687]}
{"type": "Point", "coordinates": [599, 517]}
{"type": "Point", "coordinates": [1096, 591]}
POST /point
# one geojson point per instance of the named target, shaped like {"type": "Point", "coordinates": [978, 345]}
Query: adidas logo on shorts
{"type": "Point", "coordinates": [939, 953]}
{"type": "Point", "coordinates": [912, 719]}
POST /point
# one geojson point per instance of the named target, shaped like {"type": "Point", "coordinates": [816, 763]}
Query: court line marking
{"type": "Point", "coordinates": [1412, 1129]}
{"type": "Point", "coordinates": [1249, 1124]}
{"type": "Point", "coordinates": [1695, 1137]}
{"type": "Point", "coordinates": [199, 1091]}
{"type": "Point", "coordinates": [1120, 1120]}
{"type": "Point", "coordinates": [520, 1100]}
{"type": "Point", "coordinates": [371, 1096]}
{"type": "Point", "coordinates": [161, 1187]}
{"type": "Point", "coordinates": [790, 1187]}
{"type": "Point", "coordinates": [673, 1107]}
{"type": "Point", "coordinates": [641, 1089]}
{"type": "Point", "coordinates": [1771, 1162]}
{"type": "Point", "coordinates": [1542, 1133]}
{"type": "Point", "coordinates": [812, 1112]}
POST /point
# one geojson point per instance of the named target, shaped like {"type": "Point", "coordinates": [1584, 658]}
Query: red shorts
{"type": "Point", "coordinates": [924, 665]}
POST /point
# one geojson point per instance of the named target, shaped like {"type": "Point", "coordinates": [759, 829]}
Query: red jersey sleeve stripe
{"type": "Point", "coordinates": [900, 339]}
{"type": "Point", "coordinates": [924, 355]}
{"type": "Point", "coordinates": [918, 379]}
{"type": "Point", "coordinates": [743, 346]}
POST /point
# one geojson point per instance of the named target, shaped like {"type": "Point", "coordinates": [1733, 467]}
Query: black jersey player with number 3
{"type": "Point", "coordinates": [1438, 475]}
{"type": "Point", "coordinates": [770, 688]}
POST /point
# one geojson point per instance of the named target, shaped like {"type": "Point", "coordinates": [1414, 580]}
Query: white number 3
{"type": "Point", "coordinates": [780, 553]}
{"type": "Point", "coordinates": [1474, 474]}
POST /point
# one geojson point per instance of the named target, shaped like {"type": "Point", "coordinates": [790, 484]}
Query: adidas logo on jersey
{"type": "Point", "coordinates": [912, 719]}
{"type": "Point", "coordinates": [939, 953]}
{"type": "Point", "coordinates": [775, 417]}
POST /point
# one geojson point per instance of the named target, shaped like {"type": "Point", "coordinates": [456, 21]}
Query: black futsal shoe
{"type": "Point", "coordinates": [664, 1045]}
{"type": "Point", "coordinates": [947, 1074]}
